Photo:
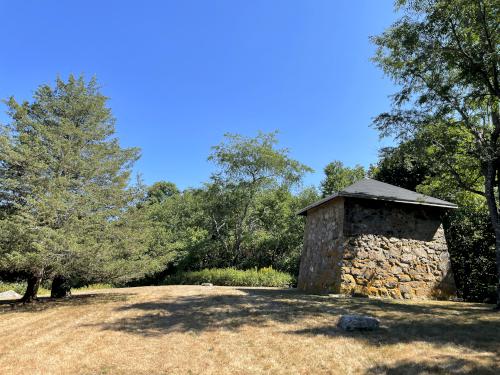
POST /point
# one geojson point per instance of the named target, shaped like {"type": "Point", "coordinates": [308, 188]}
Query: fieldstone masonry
{"type": "Point", "coordinates": [322, 255]}
{"type": "Point", "coordinates": [376, 248]}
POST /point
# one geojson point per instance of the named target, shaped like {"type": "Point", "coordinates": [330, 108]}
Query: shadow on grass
{"type": "Point", "coordinates": [45, 303]}
{"type": "Point", "coordinates": [472, 326]}
{"type": "Point", "coordinates": [257, 307]}
{"type": "Point", "coordinates": [443, 365]}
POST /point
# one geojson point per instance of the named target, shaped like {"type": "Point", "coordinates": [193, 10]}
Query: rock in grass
{"type": "Point", "coordinates": [207, 284]}
{"type": "Point", "coordinates": [10, 294]}
{"type": "Point", "coordinates": [358, 323]}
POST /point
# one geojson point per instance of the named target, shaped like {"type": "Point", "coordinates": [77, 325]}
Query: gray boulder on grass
{"type": "Point", "coordinates": [10, 294]}
{"type": "Point", "coordinates": [358, 323]}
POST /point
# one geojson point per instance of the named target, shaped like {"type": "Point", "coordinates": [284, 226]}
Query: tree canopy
{"type": "Point", "coordinates": [469, 234]}
{"type": "Point", "coordinates": [338, 177]}
{"type": "Point", "coordinates": [244, 216]}
{"type": "Point", "coordinates": [66, 201]}
{"type": "Point", "coordinates": [444, 56]}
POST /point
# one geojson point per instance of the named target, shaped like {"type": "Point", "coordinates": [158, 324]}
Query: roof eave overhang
{"type": "Point", "coordinates": [323, 201]}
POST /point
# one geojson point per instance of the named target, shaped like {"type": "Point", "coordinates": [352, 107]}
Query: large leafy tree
{"type": "Point", "coordinates": [244, 217]}
{"type": "Point", "coordinates": [444, 55]}
{"type": "Point", "coordinates": [469, 234]}
{"type": "Point", "coordinates": [246, 168]}
{"type": "Point", "coordinates": [278, 237]}
{"type": "Point", "coordinates": [179, 227]}
{"type": "Point", "coordinates": [338, 177]}
{"type": "Point", "coordinates": [68, 209]}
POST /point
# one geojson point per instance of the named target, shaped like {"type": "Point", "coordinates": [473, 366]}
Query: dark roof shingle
{"type": "Point", "coordinates": [372, 189]}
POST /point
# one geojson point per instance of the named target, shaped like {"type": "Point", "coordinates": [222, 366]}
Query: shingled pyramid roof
{"type": "Point", "coordinates": [368, 188]}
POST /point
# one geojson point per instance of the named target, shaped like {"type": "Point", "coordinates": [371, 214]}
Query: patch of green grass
{"type": "Point", "coordinates": [93, 287]}
{"type": "Point", "coordinates": [20, 287]}
{"type": "Point", "coordinates": [16, 287]}
{"type": "Point", "coordinates": [232, 277]}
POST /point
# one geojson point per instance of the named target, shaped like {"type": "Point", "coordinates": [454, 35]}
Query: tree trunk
{"type": "Point", "coordinates": [61, 287]}
{"type": "Point", "coordinates": [34, 280]}
{"type": "Point", "coordinates": [497, 245]}
{"type": "Point", "coordinates": [489, 185]}
{"type": "Point", "coordinates": [495, 119]}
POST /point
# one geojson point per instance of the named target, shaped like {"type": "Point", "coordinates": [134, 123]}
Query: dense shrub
{"type": "Point", "coordinates": [233, 277]}
{"type": "Point", "coordinates": [471, 242]}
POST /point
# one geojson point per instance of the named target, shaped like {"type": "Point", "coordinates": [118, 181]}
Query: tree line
{"type": "Point", "coordinates": [70, 214]}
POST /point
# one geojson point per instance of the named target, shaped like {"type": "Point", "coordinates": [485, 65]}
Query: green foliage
{"type": "Point", "coordinates": [249, 204]}
{"type": "Point", "coordinates": [16, 287]}
{"type": "Point", "coordinates": [404, 166]}
{"type": "Point", "coordinates": [471, 242]}
{"type": "Point", "coordinates": [66, 204]}
{"type": "Point", "coordinates": [246, 168]}
{"type": "Point", "coordinates": [68, 208]}
{"type": "Point", "coordinates": [267, 277]}
{"type": "Point", "coordinates": [444, 57]}
{"type": "Point", "coordinates": [179, 228]}
{"type": "Point", "coordinates": [277, 238]}
{"type": "Point", "coordinates": [470, 237]}
{"type": "Point", "coordinates": [160, 191]}
{"type": "Point", "coordinates": [193, 228]}
{"type": "Point", "coordinates": [255, 163]}
{"type": "Point", "coordinates": [338, 177]}
{"type": "Point", "coordinates": [244, 217]}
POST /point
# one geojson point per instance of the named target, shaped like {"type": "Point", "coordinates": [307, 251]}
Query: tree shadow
{"type": "Point", "coordinates": [483, 335]}
{"type": "Point", "coordinates": [257, 307]}
{"type": "Point", "coordinates": [45, 303]}
{"type": "Point", "coordinates": [473, 326]}
{"type": "Point", "coordinates": [443, 365]}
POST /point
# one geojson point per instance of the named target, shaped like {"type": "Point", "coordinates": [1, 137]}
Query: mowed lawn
{"type": "Point", "coordinates": [224, 330]}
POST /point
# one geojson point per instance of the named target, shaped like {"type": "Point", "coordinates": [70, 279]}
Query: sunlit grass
{"type": "Point", "coordinates": [227, 330]}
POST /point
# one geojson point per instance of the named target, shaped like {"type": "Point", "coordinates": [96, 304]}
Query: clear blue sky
{"type": "Point", "coordinates": [181, 73]}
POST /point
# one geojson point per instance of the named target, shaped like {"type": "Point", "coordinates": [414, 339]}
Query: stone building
{"type": "Point", "coordinates": [376, 239]}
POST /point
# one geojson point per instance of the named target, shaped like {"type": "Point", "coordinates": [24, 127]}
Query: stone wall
{"type": "Point", "coordinates": [395, 250]}
{"type": "Point", "coordinates": [376, 248]}
{"type": "Point", "coordinates": [320, 265]}
{"type": "Point", "coordinates": [391, 219]}
{"type": "Point", "coordinates": [382, 266]}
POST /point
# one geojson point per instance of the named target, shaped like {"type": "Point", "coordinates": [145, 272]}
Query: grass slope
{"type": "Point", "coordinates": [226, 330]}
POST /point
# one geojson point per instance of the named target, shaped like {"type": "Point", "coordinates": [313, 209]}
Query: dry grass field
{"type": "Point", "coordinates": [224, 330]}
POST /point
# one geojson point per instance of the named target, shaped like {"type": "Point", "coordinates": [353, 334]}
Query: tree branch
{"type": "Point", "coordinates": [460, 182]}
{"type": "Point", "coordinates": [473, 63]}
{"type": "Point", "coordinates": [491, 45]}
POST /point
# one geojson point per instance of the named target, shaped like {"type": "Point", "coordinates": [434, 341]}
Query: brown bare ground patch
{"type": "Point", "coordinates": [224, 330]}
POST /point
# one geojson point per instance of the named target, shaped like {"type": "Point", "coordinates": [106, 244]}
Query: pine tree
{"type": "Point", "coordinates": [64, 189]}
